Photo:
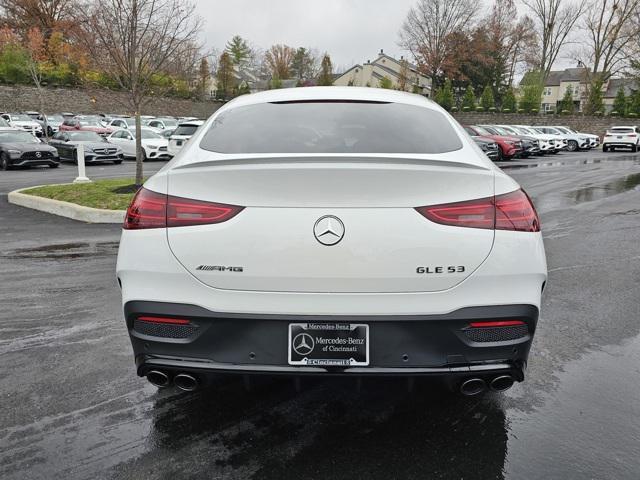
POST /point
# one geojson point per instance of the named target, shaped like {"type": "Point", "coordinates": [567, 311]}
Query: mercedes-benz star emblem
{"type": "Point", "coordinates": [303, 344]}
{"type": "Point", "coordinates": [328, 230]}
{"type": "Point", "coordinates": [38, 154]}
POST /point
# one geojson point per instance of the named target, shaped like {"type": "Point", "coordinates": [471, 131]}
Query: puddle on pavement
{"type": "Point", "coordinates": [569, 162]}
{"type": "Point", "coordinates": [598, 192]}
{"type": "Point", "coordinates": [64, 250]}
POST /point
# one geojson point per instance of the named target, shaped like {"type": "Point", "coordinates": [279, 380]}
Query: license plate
{"type": "Point", "coordinates": [619, 136]}
{"type": "Point", "coordinates": [329, 344]}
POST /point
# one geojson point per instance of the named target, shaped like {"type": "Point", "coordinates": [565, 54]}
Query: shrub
{"type": "Point", "coordinates": [534, 111]}
{"type": "Point", "coordinates": [454, 109]}
{"type": "Point", "coordinates": [506, 110]}
{"type": "Point", "coordinates": [493, 109]}
{"type": "Point", "coordinates": [479, 108]}
{"type": "Point", "coordinates": [565, 112]}
{"type": "Point", "coordinates": [614, 113]}
{"type": "Point", "coordinates": [466, 109]}
{"type": "Point", "coordinates": [521, 110]}
{"type": "Point", "coordinates": [633, 115]}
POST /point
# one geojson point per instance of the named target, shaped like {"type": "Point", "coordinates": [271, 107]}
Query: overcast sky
{"type": "Point", "coordinates": [352, 31]}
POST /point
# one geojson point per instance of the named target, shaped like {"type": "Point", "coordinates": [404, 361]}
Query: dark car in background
{"type": "Point", "coordinates": [21, 149]}
{"type": "Point", "coordinates": [488, 146]}
{"type": "Point", "coordinates": [96, 148]}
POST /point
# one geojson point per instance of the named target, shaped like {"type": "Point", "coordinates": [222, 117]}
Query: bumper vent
{"type": "Point", "coordinates": [496, 334]}
{"type": "Point", "coordinates": [164, 330]}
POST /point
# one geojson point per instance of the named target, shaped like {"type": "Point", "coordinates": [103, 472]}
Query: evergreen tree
{"type": "Point", "coordinates": [566, 104]}
{"type": "Point", "coordinates": [486, 100]}
{"type": "Point", "coordinates": [326, 71]}
{"type": "Point", "coordinates": [225, 77]}
{"type": "Point", "coordinates": [595, 103]}
{"type": "Point", "coordinates": [532, 87]}
{"type": "Point", "coordinates": [468, 100]}
{"type": "Point", "coordinates": [634, 102]}
{"type": "Point", "coordinates": [303, 65]}
{"type": "Point", "coordinates": [620, 102]}
{"type": "Point", "coordinates": [444, 96]}
{"type": "Point", "coordinates": [385, 82]}
{"type": "Point", "coordinates": [238, 49]}
{"type": "Point", "coordinates": [509, 101]}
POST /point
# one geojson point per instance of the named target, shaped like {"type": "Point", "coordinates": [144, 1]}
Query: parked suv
{"type": "Point", "coordinates": [508, 147]}
{"type": "Point", "coordinates": [575, 141]}
{"type": "Point", "coordinates": [594, 140]}
{"type": "Point", "coordinates": [621, 137]}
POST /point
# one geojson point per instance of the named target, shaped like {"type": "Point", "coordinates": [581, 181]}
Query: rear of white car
{"type": "Point", "coordinates": [182, 134]}
{"type": "Point", "coordinates": [621, 137]}
{"type": "Point", "coordinates": [332, 231]}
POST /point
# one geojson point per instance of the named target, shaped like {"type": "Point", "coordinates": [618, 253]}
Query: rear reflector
{"type": "Point", "coordinates": [510, 211]}
{"type": "Point", "coordinates": [156, 210]}
{"type": "Point", "coordinates": [496, 323]}
{"type": "Point", "coordinates": [165, 320]}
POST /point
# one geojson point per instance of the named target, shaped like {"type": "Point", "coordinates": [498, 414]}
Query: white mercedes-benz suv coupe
{"type": "Point", "coordinates": [332, 231]}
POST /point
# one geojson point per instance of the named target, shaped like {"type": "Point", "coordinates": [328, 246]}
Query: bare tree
{"type": "Point", "coordinates": [554, 21]}
{"type": "Point", "coordinates": [610, 30]}
{"type": "Point", "coordinates": [132, 40]}
{"type": "Point", "coordinates": [279, 59]}
{"type": "Point", "coordinates": [35, 49]}
{"type": "Point", "coordinates": [427, 28]}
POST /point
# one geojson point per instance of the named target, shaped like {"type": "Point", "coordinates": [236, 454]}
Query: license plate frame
{"type": "Point", "coordinates": [322, 344]}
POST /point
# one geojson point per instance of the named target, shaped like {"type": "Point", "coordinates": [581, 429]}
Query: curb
{"type": "Point", "coordinates": [65, 209]}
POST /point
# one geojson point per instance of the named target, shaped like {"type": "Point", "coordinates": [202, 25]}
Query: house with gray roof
{"type": "Point", "coordinates": [372, 73]}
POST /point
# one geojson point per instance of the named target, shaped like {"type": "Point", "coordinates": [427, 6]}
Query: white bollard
{"type": "Point", "coordinates": [82, 178]}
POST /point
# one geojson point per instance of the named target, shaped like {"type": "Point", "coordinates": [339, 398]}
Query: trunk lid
{"type": "Point", "coordinates": [276, 242]}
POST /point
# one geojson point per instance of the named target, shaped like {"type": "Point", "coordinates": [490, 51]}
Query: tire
{"type": "Point", "coordinates": [144, 155]}
{"type": "Point", "coordinates": [54, 165]}
{"type": "Point", "coordinates": [4, 162]}
{"type": "Point", "coordinates": [572, 146]}
{"type": "Point", "coordinates": [500, 154]}
{"type": "Point", "coordinates": [117, 162]}
{"type": "Point", "coordinates": [605, 148]}
{"type": "Point", "coordinates": [634, 148]}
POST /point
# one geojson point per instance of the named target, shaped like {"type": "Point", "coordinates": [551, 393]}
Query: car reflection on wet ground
{"type": "Point", "coordinates": [73, 407]}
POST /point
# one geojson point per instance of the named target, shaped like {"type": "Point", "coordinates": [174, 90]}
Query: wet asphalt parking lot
{"type": "Point", "coordinates": [73, 407]}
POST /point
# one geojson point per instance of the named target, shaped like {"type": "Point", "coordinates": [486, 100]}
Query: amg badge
{"type": "Point", "coordinates": [219, 268]}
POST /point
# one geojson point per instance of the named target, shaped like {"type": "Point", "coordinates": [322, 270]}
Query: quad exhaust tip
{"type": "Point", "coordinates": [158, 378]}
{"type": "Point", "coordinates": [501, 383]}
{"type": "Point", "coordinates": [473, 386]}
{"type": "Point", "coordinates": [185, 382]}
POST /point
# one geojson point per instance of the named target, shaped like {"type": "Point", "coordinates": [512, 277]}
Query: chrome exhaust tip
{"type": "Point", "coordinates": [158, 378]}
{"type": "Point", "coordinates": [473, 386]}
{"type": "Point", "coordinates": [185, 382]}
{"type": "Point", "coordinates": [502, 383]}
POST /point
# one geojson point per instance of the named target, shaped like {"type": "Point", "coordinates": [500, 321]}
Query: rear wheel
{"type": "Point", "coordinates": [605, 148]}
{"type": "Point", "coordinates": [572, 146]}
{"type": "Point", "coordinates": [54, 165]}
{"type": "Point", "coordinates": [117, 162]}
{"type": "Point", "coordinates": [634, 148]}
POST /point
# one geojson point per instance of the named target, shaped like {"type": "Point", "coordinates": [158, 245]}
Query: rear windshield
{"type": "Point", "coordinates": [331, 127]}
{"type": "Point", "coordinates": [622, 130]}
{"type": "Point", "coordinates": [185, 130]}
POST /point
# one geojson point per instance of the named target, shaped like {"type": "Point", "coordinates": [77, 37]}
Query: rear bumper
{"type": "Point", "coordinates": [400, 345]}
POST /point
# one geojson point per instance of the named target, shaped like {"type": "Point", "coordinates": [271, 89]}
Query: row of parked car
{"type": "Point", "coordinates": [506, 142]}
{"type": "Point", "coordinates": [104, 138]}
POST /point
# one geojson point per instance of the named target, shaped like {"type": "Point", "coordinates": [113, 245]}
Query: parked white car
{"type": "Point", "coordinates": [181, 134]}
{"type": "Point", "coordinates": [622, 137]}
{"type": "Point", "coordinates": [163, 123]}
{"type": "Point", "coordinates": [558, 142]}
{"type": "Point", "coordinates": [122, 123]}
{"type": "Point", "coordinates": [575, 141]}
{"type": "Point", "coordinates": [153, 145]}
{"type": "Point", "coordinates": [23, 122]}
{"type": "Point", "coordinates": [594, 140]}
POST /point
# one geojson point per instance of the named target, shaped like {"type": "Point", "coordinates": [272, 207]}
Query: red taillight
{"type": "Point", "coordinates": [510, 211]}
{"type": "Point", "coordinates": [496, 323]}
{"type": "Point", "coordinates": [155, 210]}
{"type": "Point", "coordinates": [165, 320]}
